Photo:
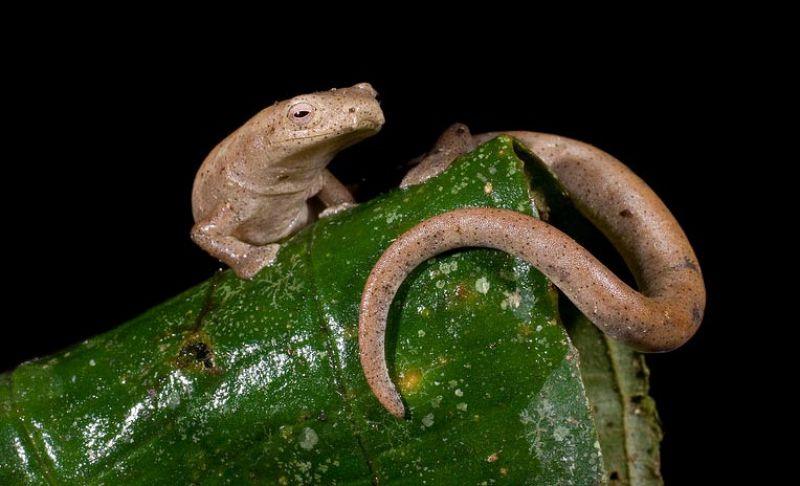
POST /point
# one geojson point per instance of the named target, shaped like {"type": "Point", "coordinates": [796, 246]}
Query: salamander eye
{"type": "Point", "coordinates": [301, 113]}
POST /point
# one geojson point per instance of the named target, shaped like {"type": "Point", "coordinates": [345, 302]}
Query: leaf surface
{"type": "Point", "coordinates": [259, 382]}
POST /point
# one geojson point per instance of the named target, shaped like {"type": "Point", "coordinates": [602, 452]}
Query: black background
{"type": "Point", "coordinates": [105, 149]}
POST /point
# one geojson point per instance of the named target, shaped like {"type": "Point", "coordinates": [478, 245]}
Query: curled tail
{"type": "Point", "coordinates": [662, 317]}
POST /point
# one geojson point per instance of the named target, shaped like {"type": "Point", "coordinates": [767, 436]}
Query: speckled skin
{"type": "Point", "coordinates": [663, 316]}
{"type": "Point", "coordinates": [253, 188]}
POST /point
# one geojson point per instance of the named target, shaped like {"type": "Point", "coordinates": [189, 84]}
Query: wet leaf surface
{"type": "Point", "coordinates": [259, 382]}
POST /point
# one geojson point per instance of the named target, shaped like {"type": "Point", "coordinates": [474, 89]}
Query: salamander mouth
{"type": "Point", "coordinates": [362, 128]}
{"type": "Point", "coordinates": [357, 134]}
{"type": "Point", "coordinates": [369, 125]}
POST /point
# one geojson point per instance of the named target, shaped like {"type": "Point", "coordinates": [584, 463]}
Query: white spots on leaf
{"type": "Point", "coordinates": [521, 300]}
{"type": "Point", "coordinates": [457, 187]}
{"type": "Point", "coordinates": [308, 438]}
{"type": "Point", "coordinates": [560, 433]}
{"type": "Point", "coordinates": [393, 216]}
{"type": "Point", "coordinates": [461, 407]}
{"type": "Point", "coordinates": [421, 333]}
{"type": "Point", "coordinates": [447, 267]}
{"type": "Point", "coordinates": [482, 285]}
{"type": "Point", "coordinates": [442, 268]}
{"type": "Point", "coordinates": [458, 392]}
{"type": "Point", "coordinates": [512, 169]}
{"type": "Point", "coordinates": [437, 402]}
{"type": "Point", "coordinates": [488, 188]}
{"type": "Point", "coordinates": [93, 437]}
{"type": "Point", "coordinates": [512, 299]}
{"type": "Point", "coordinates": [427, 421]}
{"type": "Point", "coordinates": [558, 427]}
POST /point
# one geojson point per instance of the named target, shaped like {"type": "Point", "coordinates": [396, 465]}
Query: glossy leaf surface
{"type": "Point", "coordinates": [259, 382]}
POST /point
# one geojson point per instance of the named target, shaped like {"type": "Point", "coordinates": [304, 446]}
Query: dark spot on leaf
{"type": "Point", "coordinates": [614, 476]}
{"type": "Point", "coordinates": [197, 353]}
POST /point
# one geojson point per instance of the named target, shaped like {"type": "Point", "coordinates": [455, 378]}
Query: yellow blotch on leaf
{"type": "Point", "coordinates": [525, 330]}
{"type": "Point", "coordinates": [410, 380]}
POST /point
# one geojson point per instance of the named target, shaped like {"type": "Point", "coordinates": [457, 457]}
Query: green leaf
{"type": "Point", "coordinates": [616, 381]}
{"type": "Point", "coordinates": [239, 382]}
